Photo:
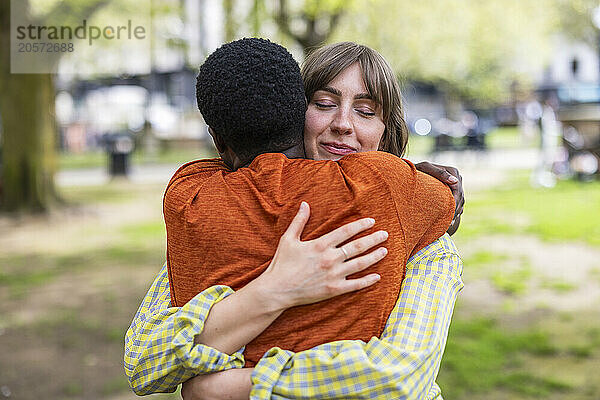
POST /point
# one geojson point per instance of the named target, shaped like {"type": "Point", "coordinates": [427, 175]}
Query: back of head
{"type": "Point", "coordinates": [250, 92]}
{"type": "Point", "coordinates": [325, 63]}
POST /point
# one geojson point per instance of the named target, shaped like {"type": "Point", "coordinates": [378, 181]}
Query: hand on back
{"type": "Point", "coordinates": [305, 272]}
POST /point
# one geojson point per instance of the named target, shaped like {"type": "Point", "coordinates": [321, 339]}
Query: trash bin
{"type": "Point", "coordinates": [119, 148]}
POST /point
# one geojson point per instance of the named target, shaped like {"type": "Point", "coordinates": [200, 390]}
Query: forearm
{"type": "Point", "coordinates": [454, 225]}
{"type": "Point", "coordinates": [239, 318]}
{"type": "Point", "coordinates": [234, 384]}
{"type": "Point", "coordinates": [239, 384]}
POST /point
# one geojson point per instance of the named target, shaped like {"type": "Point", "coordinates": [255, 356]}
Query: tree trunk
{"type": "Point", "coordinates": [310, 37]}
{"type": "Point", "coordinates": [28, 133]}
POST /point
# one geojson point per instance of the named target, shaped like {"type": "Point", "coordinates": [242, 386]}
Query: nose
{"type": "Point", "coordinates": [342, 123]}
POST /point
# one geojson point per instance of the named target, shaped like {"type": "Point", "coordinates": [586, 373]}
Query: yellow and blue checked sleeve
{"type": "Point", "coordinates": [403, 363]}
{"type": "Point", "coordinates": [159, 345]}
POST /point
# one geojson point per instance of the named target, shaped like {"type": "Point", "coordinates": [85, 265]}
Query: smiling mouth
{"type": "Point", "coordinates": [338, 149]}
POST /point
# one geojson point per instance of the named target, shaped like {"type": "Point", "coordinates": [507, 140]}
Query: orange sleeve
{"type": "Point", "coordinates": [432, 210]}
{"type": "Point", "coordinates": [425, 205]}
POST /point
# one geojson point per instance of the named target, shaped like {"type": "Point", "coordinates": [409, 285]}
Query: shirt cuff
{"type": "Point", "coordinates": [190, 322]}
{"type": "Point", "coordinates": [266, 373]}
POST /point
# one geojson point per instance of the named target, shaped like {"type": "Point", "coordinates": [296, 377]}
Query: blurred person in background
{"type": "Point", "coordinates": [550, 132]}
{"type": "Point", "coordinates": [354, 106]}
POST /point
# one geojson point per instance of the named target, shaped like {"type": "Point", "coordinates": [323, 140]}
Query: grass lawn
{"type": "Point", "coordinates": [529, 344]}
{"type": "Point", "coordinates": [76, 280]}
{"type": "Point", "coordinates": [548, 357]}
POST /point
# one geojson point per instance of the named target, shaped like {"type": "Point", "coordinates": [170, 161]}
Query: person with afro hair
{"type": "Point", "coordinates": [251, 95]}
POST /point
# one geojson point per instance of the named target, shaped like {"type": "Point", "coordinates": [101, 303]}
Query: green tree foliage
{"type": "Point", "coordinates": [474, 50]}
{"type": "Point", "coordinates": [230, 21]}
{"type": "Point", "coordinates": [575, 19]}
{"type": "Point", "coordinates": [28, 131]}
{"type": "Point", "coordinates": [307, 23]}
{"type": "Point", "coordinates": [27, 112]}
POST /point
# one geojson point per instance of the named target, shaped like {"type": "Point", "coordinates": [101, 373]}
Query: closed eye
{"type": "Point", "coordinates": [324, 105]}
{"type": "Point", "coordinates": [366, 113]}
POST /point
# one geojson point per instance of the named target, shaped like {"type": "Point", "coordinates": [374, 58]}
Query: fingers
{"type": "Point", "coordinates": [360, 263]}
{"type": "Point", "coordinates": [454, 177]}
{"type": "Point", "coordinates": [352, 285]}
{"type": "Point", "coordinates": [445, 176]}
{"type": "Point", "coordinates": [359, 246]}
{"type": "Point", "coordinates": [443, 173]}
{"type": "Point", "coordinates": [426, 167]}
{"type": "Point", "coordinates": [450, 175]}
{"type": "Point", "coordinates": [459, 199]}
{"type": "Point", "coordinates": [439, 172]}
{"type": "Point", "coordinates": [460, 208]}
{"type": "Point", "coordinates": [456, 188]}
{"type": "Point", "coordinates": [297, 225]}
{"type": "Point", "coordinates": [345, 232]}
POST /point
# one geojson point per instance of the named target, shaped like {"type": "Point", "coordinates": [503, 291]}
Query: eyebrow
{"type": "Point", "coordinates": [338, 93]}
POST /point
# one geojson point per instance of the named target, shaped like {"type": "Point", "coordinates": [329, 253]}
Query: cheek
{"type": "Point", "coordinates": [314, 126]}
{"type": "Point", "coordinates": [370, 134]}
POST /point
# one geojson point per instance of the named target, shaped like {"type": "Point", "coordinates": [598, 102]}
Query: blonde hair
{"type": "Point", "coordinates": [325, 63]}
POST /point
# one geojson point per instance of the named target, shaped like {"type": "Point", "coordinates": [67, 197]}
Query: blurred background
{"type": "Point", "coordinates": [507, 91]}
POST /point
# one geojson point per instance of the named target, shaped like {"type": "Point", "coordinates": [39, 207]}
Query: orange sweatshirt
{"type": "Point", "coordinates": [223, 228]}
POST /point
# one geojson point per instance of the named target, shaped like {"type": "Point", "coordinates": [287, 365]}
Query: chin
{"type": "Point", "coordinates": [326, 156]}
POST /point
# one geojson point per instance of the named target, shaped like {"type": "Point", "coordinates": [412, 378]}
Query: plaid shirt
{"type": "Point", "coordinates": [160, 352]}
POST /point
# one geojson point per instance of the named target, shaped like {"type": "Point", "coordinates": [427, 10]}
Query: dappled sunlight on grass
{"type": "Point", "coordinates": [512, 282]}
{"type": "Point", "coordinates": [490, 355]}
{"type": "Point", "coordinates": [481, 356]}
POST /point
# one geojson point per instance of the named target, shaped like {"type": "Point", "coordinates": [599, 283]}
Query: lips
{"type": "Point", "coordinates": [339, 149]}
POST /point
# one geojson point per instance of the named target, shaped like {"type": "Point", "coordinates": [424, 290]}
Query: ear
{"type": "Point", "coordinates": [218, 140]}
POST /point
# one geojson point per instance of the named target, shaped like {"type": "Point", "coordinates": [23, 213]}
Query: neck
{"type": "Point", "coordinates": [296, 151]}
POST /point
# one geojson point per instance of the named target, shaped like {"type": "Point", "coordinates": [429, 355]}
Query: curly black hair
{"type": "Point", "coordinates": [250, 92]}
